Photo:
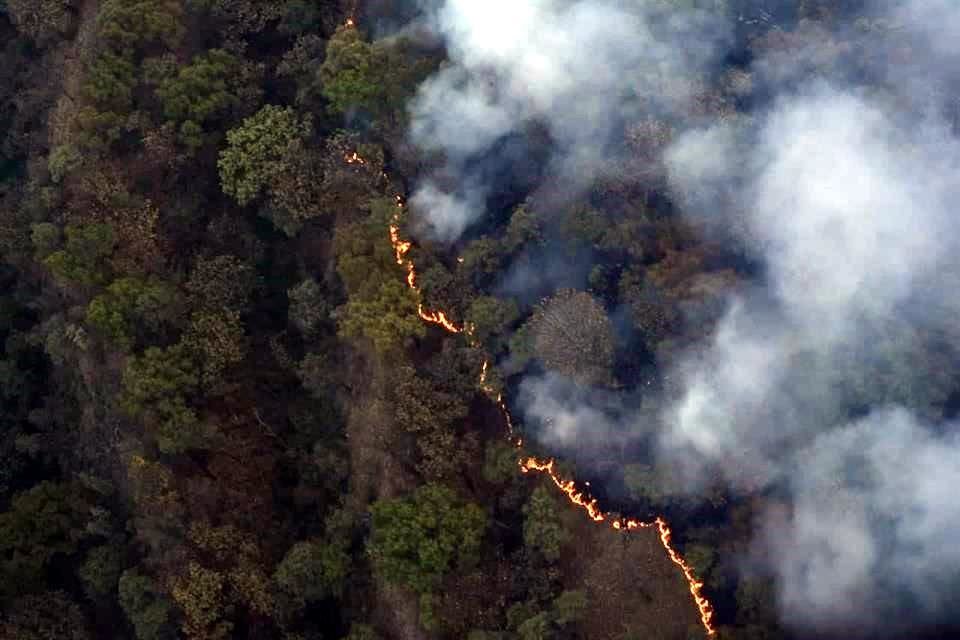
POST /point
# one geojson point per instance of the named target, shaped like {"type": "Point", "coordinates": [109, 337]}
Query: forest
{"type": "Point", "coordinates": [446, 319]}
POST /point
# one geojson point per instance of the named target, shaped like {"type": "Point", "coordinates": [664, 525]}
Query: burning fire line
{"type": "Point", "coordinates": [400, 249]}
{"type": "Point", "coordinates": [590, 506]}
{"type": "Point", "coordinates": [530, 464]}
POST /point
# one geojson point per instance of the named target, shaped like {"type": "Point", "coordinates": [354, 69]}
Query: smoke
{"type": "Point", "coordinates": [874, 513]}
{"type": "Point", "coordinates": [852, 217]}
{"type": "Point", "coordinates": [825, 381]}
{"type": "Point", "coordinates": [577, 67]}
{"type": "Point", "coordinates": [567, 415]}
{"type": "Point", "coordinates": [449, 213]}
{"type": "Point", "coordinates": [847, 197]}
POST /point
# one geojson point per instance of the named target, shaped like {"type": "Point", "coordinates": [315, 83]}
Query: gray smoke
{"type": "Point", "coordinates": [872, 527]}
{"type": "Point", "coordinates": [566, 415]}
{"type": "Point", "coordinates": [850, 205]}
{"type": "Point", "coordinates": [579, 67]}
{"type": "Point", "coordinates": [852, 217]}
{"type": "Point", "coordinates": [825, 380]}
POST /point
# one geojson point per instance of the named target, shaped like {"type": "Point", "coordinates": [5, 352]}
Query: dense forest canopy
{"type": "Point", "coordinates": [416, 320]}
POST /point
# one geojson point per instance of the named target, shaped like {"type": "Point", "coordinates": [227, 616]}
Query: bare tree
{"type": "Point", "coordinates": [572, 335]}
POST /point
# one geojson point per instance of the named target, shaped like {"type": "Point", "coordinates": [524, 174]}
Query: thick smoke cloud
{"type": "Point", "coordinates": [853, 218]}
{"type": "Point", "coordinates": [571, 66]}
{"type": "Point", "coordinates": [567, 416]}
{"type": "Point", "coordinates": [823, 381]}
{"type": "Point", "coordinates": [872, 528]}
{"type": "Point", "coordinates": [850, 205]}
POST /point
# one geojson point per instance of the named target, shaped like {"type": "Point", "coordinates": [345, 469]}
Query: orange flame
{"type": "Point", "coordinates": [590, 506]}
{"type": "Point", "coordinates": [568, 487]}
{"type": "Point", "coordinates": [400, 249]}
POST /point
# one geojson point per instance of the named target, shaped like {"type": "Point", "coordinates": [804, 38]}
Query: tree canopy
{"type": "Point", "coordinates": [418, 539]}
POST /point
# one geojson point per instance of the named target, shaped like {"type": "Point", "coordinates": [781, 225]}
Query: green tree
{"type": "Point", "coordinates": [44, 616]}
{"type": "Point", "coordinates": [221, 283]}
{"type": "Point", "coordinates": [525, 227]}
{"type": "Point", "coordinates": [365, 257]}
{"type": "Point", "coordinates": [241, 18]}
{"type": "Point", "coordinates": [126, 31]}
{"type": "Point", "coordinates": [178, 428]}
{"type": "Point", "coordinates": [701, 557]}
{"type": "Point", "coordinates": [653, 313]}
{"type": "Point", "coordinates": [756, 604]}
{"type": "Point", "coordinates": [312, 571]}
{"type": "Point", "coordinates": [42, 523]}
{"type": "Point", "coordinates": [64, 160]}
{"type": "Point", "coordinates": [536, 628]}
{"type": "Point", "coordinates": [195, 95]}
{"type": "Point", "coordinates": [483, 259]}
{"type": "Point", "coordinates": [83, 259]}
{"type": "Point", "coordinates": [130, 305]}
{"type": "Point", "coordinates": [500, 462]}
{"type": "Point", "coordinates": [156, 387]}
{"type": "Point", "coordinates": [569, 607]}
{"type": "Point", "coordinates": [352, 72]}
{"type": "Point", "coordinates": [46, 238]}
{"type": "Point", "coordinates": [586, 226]}
{"type": "Point", "coordinates": [137, 25]}
{"type": "Point", "coordinates": [542, 529]}
{"type": "Point", "coordinates": [220, 341]}
{"type": "Point", "coordinates": [259, 150]}
{"type": "Point", "coordinates": [376, 78]}
{"type": "Point", "coordinates": [428, 611]}
{"type": "Point", "coordinates": [362, 632]}
{"type": "Point", "coordinates": [42, 20]}
{"type": "Point", "coordinates": [302, 17]}
{"type": "Point", "coordinates": [199, 593]}
{"type": "Point", "coordinates": [301, 192]}
{"type": "Point", "coordinates": [158, 375]}
{"type": "Point", "coordinates": [380, 305]}
{"type": "Point", "coordinates": [416, 539]}
{"type": "Point", "coordinates": [647, 484]}
{"type": "Point", "coordinates": [101, 570]}
{"type": "Point", "coordinates": [146, 606]}
{"type": "Point", "coordinates": [308, 310]}
{"type": "Point", "coordinates": [518, 612]}
{"type": "Point", "coordinates": [110, 82]}
{"type": "Point", "coordinates": [387, 319]}
{"type": "Point", "coordinates": [489, 318]}
{"type": "Point", "coordinates": [424, 408]}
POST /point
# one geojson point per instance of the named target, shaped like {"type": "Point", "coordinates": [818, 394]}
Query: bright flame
{"type": "Point", "coordinates": [569, 487]}
{"type": "Point", "coordinates": [527, 465]}
{"type": "Point", "coordinates": [400, 249]}
{"type": "Point", "coordinates": [593, 511]}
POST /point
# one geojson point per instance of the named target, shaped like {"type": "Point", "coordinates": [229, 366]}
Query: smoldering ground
{"type": "Point", "coordinates": [828, 379]}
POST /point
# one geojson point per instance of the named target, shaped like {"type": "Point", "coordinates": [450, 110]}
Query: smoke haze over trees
{"type": "Point", "coordinates": [841, 184]}
{"type": "Point", "coordinates": [278, 278]}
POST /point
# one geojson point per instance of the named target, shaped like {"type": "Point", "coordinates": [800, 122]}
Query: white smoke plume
{"type": "Point", "coordinates": [824, 380]}
{"type": "Point", "coordinates": [570, 415]}
{"type": "Point", "coordinates": [872, 527]}
{"type": "Point", "coordinates": [850, 205]}
{"type": "Point", "coordinates": [576, 66]}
